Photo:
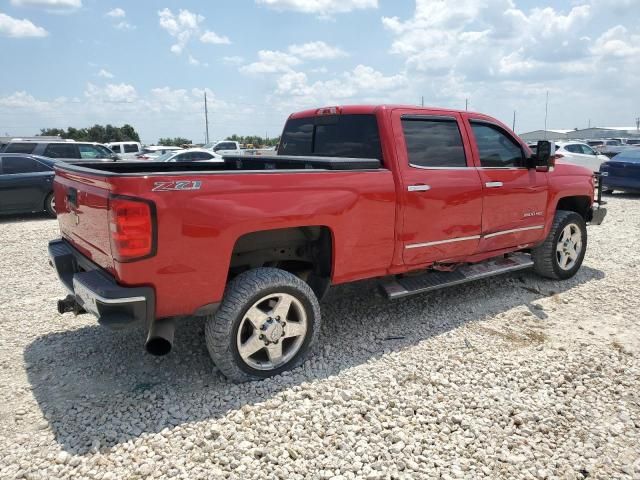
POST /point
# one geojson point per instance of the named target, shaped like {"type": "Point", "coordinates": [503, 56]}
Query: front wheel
{"type": "Point", "coordinates": [267, 323]}
{"type": "Point", "coordinates": [561, 254]}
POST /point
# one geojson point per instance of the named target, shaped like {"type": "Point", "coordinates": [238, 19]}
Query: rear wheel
{"type": "Point", "coordinates": [562, 253]}
{"type": "Point", "coordinates": [267, 323]}
{"type": "Point", "coordinates": [50, 205]}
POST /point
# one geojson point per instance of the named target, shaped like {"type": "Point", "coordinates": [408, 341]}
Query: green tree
{"type": "Point", "coordinates": [174, 142]}
{"type": "Point", "coordinates": [96, 133]}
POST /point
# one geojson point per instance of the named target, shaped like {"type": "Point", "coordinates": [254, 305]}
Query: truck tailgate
{"type": "Point", "coordinates": [82, 202]}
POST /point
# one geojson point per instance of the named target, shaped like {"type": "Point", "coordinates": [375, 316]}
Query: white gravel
{"type": "Point", "coordinates": [513, 377]}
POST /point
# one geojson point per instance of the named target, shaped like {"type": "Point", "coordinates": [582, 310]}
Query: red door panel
{"type": "Point", "coordinates": [441, 206]}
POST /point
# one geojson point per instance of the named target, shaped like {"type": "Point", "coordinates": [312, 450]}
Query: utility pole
{"type": "Point", "coordinates": [513, 127]}
{"type": "Point", "coordinates": [638, 124]}
{"type": "Point", "coordinates": [589, 124]}
{"type": "Point", "coordinates": [206, 119]}
{"type": "Point", "coordinates": [466, 104]}
{"type": "Point", "coordinates": [422, 101]}
{"type": "Point", "coordinates": [546, 112]}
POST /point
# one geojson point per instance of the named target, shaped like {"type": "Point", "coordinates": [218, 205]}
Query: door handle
{"type": "Point", "coordinates": [493, 184]}
{"type": "Point", "coordinates": [418, 188]}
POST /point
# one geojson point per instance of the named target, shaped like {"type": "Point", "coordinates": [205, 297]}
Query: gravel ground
{"type": "Point", "coordinates": [512, 377]}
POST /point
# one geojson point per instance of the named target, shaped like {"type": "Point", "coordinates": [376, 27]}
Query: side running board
{"type": "Point", "coordinates": [398, 287]}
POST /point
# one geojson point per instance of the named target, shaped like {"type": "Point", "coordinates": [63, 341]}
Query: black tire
{"type": "Point", "coordinates": [222, 328]}
{"type": "Point", "coordinates": [50, 205]}
{"type": "Point", "coordinates": [545, 256]}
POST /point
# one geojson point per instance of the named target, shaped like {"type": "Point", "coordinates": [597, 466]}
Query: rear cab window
{"type": "Point", "coordinates": [130, 148]}
{"type": "Point", "coordinates": [350, 136]}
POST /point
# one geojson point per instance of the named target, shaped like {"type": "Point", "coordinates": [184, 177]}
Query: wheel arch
{"type": "Point", "coordinates": [580, 204]}
{"type": "Point", "coordinates": [306, 251]}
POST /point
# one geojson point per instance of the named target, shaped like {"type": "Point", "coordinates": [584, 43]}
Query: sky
{"type": "Point", "coordinates": [149, 63]}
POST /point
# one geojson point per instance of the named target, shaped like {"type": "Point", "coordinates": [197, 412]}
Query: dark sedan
{"type": "Point", "coordinates": [622, 172]}
{"type": "Point", "coordinates": [26, 184]}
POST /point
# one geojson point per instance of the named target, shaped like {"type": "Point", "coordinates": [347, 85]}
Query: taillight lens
{"type": "Point", "coordinates": [132, 228]}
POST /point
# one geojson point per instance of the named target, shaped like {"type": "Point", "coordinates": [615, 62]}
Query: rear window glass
{"type": "Point", "coordinates": [353, 136]}
{"type": "Point", "coordinates": [20, 148]}
{"type": "Point", "coordinates": [130, 147]}
{"type": "Point", "coordinates": [434, 143]}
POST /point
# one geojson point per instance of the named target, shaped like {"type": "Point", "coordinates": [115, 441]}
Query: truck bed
{"type": "Point", "coordinates": [231, 163]}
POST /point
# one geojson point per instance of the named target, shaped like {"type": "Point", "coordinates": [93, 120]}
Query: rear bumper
{"type": "Point", "coordinates": [97, 292]}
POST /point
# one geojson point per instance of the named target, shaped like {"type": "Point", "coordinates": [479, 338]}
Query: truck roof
{"type": "Point", "coordinates": [367, 109]}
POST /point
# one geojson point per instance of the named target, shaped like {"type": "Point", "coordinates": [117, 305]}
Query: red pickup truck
{"type": "Point", "coordinates": [420, 198]}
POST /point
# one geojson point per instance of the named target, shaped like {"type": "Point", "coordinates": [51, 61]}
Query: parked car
{"type": "Point", "coordinates": [191, 155]}
{"type": "Point", "coordinates": [63, 150]}
{"type": "Point", "coordinates": [355, 192]}
{"type": "Point", "coordinates": [152, 152]}
{"type": "Point", "coordinates": [580, 153]}
{"type": "Point", "coordinates": [125, 150]}
{"type": "Point", "coordinates": [225, 147]}
{"type": "Point", "coordinates": [633, 141]}
{"type": "Point", "coordinates": [611, 147]}
{"type": "Point", "coordinates": [26, 184]}
{"type": "Point", "coordinates": [622, 172]}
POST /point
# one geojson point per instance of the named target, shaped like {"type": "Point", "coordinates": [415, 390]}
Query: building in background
{"type": "Point", "coordinates": [581, 134]}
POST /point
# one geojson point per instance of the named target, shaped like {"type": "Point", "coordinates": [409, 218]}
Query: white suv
{"type": "Point", "coordinates": [581, 154]}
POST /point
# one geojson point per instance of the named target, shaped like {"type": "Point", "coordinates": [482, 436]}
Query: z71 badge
{"type": "Point", "coordinates": [180, 185]}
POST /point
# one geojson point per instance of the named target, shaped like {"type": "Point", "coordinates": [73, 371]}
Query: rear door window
{"type": "Point", "coordinates": [353, 136]}
{"type": "Point", "coordinates": [20, 148]}
{"type": "Point", "coordinates": [433, 143]}
{"type": "Point", "coordinates": [61, 150]}
{"type": "Point", "coordinates": [15, 165]}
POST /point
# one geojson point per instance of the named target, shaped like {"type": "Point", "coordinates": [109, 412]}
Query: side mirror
{"type": "Point", "coordinates": [544, 158]}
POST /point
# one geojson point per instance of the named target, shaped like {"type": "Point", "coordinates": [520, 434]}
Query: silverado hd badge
{"type": "Point", "coordinates": [179, 185]}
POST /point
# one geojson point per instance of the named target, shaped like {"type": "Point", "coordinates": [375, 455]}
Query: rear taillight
{"type": "Point", "coordinates": [131, 228]}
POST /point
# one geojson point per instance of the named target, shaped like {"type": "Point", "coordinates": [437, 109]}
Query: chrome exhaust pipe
{"type": "Point", "coordinates": [160, 338]}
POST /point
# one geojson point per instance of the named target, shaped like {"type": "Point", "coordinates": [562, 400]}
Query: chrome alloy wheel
{"type": "Point", "coordinates": [569, 246]}
{"type": "Point", "coordinates": [272, 331]}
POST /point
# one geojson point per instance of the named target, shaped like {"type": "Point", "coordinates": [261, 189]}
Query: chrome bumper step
{"type": "Point", "coordinates": [398, 287]}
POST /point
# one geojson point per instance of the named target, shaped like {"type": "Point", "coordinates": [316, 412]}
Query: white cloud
{"type": "Point", "coordinates": [193, 61]}
{"type": "Point", "coordinates": [324, 8]}
{"type": "Point", "coordinates": [213, 37]}
{"type": "Point", "coordinates": [15, 28]}
{"type": "Point", "coordinates": [360, 83]}
{"type": "Point", "coordinates": [270, 61]}
{"type": "Point", "coordinates": [116, 13]}
{"type": "Point", "coordinates": [186, 25]}
{"type": "Point", "coordinates": [105, 73]}
{"type": "Point", "coordinates": [112, 93]}
{"type": "Point", "coordinates": [49, 4]}
{"type": "Point", "coordinates": [317, 51]}
{"type": "Point", "coordinates": [617, 42]}
{"type": "Point", "coordinates": [124, 26]}
{"type": "Point", "coordinates": [233, 60]}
